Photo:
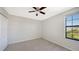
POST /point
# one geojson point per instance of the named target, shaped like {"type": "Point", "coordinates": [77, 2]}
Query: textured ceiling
{"type": "Point", "coordinates": [23, 12]}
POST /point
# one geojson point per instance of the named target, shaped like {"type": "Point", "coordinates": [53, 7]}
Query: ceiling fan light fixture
{"type": "Point", "coordinates": [38, 9]}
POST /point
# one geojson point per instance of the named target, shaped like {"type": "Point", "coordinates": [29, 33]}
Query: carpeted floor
{"type": "Point", "coordinates": [35, 45]}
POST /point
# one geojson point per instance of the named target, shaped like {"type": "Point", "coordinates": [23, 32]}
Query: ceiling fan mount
{"type": "Point", "coordinates": [38, 9]}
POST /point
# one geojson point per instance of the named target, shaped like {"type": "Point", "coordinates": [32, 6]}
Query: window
{"type": "Point", "coordinates": [72, 27]}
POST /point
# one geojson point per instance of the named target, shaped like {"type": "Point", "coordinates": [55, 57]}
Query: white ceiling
{"type": "Point", "coordinates": [23, 12]}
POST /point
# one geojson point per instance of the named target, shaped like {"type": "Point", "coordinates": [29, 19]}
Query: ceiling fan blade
{"type": "Point", "coordinates": [31, 11]}
{"type": "Point", "coordinates": [42, 8]}
{"type": "Point", "coordinates": [35, 8]}
{"type": "Point", "coordinates": [36, 14]}
{"type": "Point", "coordinates": [42, 12]}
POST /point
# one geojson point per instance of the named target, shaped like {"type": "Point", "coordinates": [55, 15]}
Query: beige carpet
{"type": "Point", "coordinates": [35, 45]}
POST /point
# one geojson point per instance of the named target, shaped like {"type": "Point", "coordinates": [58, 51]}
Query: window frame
{"type": "Point", "coordinates": [66, 26]}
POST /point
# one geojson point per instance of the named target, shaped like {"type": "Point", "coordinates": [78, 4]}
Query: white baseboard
{"type": "Point", "coordinates": [22, 41]}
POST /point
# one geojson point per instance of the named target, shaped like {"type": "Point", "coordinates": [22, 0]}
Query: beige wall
{"type": "Point", "coordinates": [23, 29]}
{"type": "Point", "coordinates": [53, 30]}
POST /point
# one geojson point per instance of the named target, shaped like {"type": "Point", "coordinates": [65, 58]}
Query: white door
{"type": "Point", "coordinates": [3, 32]}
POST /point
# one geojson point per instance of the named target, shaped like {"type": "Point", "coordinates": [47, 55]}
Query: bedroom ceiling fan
{"type": "Point", "coordinates": [38, 9]}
